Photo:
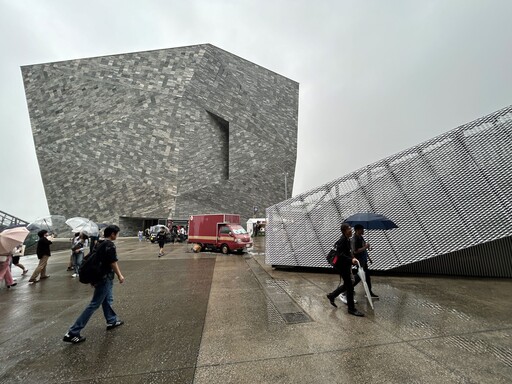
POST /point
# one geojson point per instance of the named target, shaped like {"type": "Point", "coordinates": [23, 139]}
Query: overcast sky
{"type": "Point", "coordinates": [376, 77]}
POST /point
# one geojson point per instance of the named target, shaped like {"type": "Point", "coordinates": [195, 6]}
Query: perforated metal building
{"type": "Point", "coordinates": [450, 196]}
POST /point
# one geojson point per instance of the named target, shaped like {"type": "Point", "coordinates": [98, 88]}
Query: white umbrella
{"type": "Point", "coordinates": [156, 228]}
{"type": "Point", "coordinates": [81, 224]}
{"type": "Point", "coordinates": [10, 238]}
{"type": "Point", "coordinates": [362, 276]}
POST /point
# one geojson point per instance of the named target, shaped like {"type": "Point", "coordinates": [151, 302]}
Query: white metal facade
{"type": "Point", "coordinates": [448, 194]}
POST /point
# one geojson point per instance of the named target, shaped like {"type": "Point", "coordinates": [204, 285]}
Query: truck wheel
{"type": "Point", "coordinates": [224, 249]}
{"type": "Point", "coordinates": [240, 251]}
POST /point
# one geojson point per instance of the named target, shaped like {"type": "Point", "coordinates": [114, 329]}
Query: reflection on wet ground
{"type": "Point", "coordinates": [211, 318]}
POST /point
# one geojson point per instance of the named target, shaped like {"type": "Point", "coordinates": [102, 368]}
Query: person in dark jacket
{"type": "Point", "coordinates": [43, 254]}
{"type": "Point", "coordinates": [344, 268]}
{"type": "Point", "coordinates": [160, 238]}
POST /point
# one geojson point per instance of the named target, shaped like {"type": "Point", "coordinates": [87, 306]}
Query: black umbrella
{"type": "Point", "coordinates": [371, 221]}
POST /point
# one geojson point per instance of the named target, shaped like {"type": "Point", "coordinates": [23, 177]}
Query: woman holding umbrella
{"type": "Point", "coordinates": [9, 239]}
{"type": "Point", "coordinates": [5, 271]}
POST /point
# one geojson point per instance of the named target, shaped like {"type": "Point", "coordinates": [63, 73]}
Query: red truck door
{"type": "Point", "coordinates": [224, 237]}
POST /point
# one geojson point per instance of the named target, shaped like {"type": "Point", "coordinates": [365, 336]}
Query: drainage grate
{"type": "Point", "coordinates": [296, 317]}
{"type": "Point", "coordinates": [274, 317]}
{"type": "Point", "coordinates": [279, 299]}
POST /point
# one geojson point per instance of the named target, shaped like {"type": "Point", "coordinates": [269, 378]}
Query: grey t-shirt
{"type": "Point", "coordinates": [358, 242]}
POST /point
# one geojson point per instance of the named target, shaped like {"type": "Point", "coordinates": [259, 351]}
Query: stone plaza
{"type": "Point", "coordinates": [213, 318]}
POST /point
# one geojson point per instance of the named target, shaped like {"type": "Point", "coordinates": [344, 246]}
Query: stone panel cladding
{"type": "Point", "coordinates": [138, 134]}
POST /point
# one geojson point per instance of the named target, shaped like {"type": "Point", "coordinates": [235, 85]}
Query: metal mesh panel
{"type": "Point", "coordinates": [447, 194]}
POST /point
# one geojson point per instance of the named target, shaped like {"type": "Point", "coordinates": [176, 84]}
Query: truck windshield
{"type": "Point", "coordinates": [239, 230]}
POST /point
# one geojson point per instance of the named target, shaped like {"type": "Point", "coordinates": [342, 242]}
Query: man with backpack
{"type": "Point", "coordinates": [344, 268]}
{"type": "Point", "coordinates": [106, 255]}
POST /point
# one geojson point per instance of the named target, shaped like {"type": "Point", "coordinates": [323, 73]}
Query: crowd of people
{"type": "Point", "coordinates": [351, 249]}
{"type": "Point", "coordinates": [81, 244]}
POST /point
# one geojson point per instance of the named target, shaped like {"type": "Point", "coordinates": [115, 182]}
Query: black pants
{"type": "Point", "coordinates": [345, 271]}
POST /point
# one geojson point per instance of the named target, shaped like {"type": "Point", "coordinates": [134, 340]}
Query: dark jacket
{"type": "Point", "coordinates": [160, 237]}
{"type": "Point", "coordinates": [43, 247]}
{"type": "Point", "coordinates": [343, 250]}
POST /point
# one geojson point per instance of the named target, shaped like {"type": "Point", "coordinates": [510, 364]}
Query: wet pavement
{"type": "Point", "coordinates": [211, 318]}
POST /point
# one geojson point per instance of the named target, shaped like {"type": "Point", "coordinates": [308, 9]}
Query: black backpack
{"type": "Point", "coordinates": [332, 256]}
{"type": "Point", "coordinates": [91, 271]}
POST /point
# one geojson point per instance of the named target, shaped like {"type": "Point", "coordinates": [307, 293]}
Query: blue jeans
{"type": "Point", "coordinates": [77, 260]}
{"type": "Point", "coordinates": [102, 296]}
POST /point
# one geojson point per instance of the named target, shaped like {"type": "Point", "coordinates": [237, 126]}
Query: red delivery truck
{"type": "Point", "coordinates": [219, 232]}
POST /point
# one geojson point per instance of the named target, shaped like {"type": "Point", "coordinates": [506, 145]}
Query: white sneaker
{"type": "Point", "coordinates": [74, 275]}
{"type": "Point", "coordinates": [343, 298]}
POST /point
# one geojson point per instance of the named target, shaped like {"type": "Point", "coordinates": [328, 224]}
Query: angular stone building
{"type": "Point", "coordinates": [136, 137]}
{"type": "Point", "coordinates": [450, 196]}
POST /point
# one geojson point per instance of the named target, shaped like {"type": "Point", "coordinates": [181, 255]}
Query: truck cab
{"type": "Point", "coordinates": [233, 237]}
{"type": "Point", "coordinates": [219, 232]}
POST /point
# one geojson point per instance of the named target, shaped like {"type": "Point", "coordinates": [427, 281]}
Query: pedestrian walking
{"type": "Point", "coordinates": [344, 268]}
{"type": "Point", "coordinates": [16, 254]}
{"type": "Point", "coordinates": [78, 252]}
{"type": "Point", "coordinates": [103, 291]}
{"type": "Point", "coordinates": [160, 238]}
{"type": "Point", "coordinates": [360, 249]}
{"type": "Point", "coordinates": [140, 233]}
{"type": "Point", "coordinates": [43, 254]}
{"type": "Point", "coordinates": [5, 271]}
{"type": "Point", "coordinates": [75, 239]}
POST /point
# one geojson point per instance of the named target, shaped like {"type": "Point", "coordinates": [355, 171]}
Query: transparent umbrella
{"type": "Point", "coordinates": [52, 223]}
{"type": "Point", "coordinates": [81, 224]}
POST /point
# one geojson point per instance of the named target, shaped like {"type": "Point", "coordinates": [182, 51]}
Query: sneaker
{"type": "Point", "coordinates": [74, 275]}
{"type": "Point", "coordinates": [343, 298]}
{"type": "Point", "coordinates": [355, 312]}
{"type": "Point", "coordinates": [374, 296]}
{"type": "Point", "coordinates": [24, 272]}
{"type": "Point", "coordinates": [69, 268]}
{"type": "Point", "coordinates": [44, 277]}
{"type": "Point", "coordinates": [33, 281]}
{"type": "Point", "coordinates": [73, 339]}
{"type": "Point", "coordinates": [12, 285]}
{"type": "Point", "coordinates": [114, 325]}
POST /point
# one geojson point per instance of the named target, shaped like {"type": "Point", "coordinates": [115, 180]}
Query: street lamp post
{"type": "Point", "coordinates": [286, 185]}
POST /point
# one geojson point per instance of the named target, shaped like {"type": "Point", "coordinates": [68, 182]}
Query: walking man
{"type": "Point", "coordinates": [360, 248]}
{"type": "Point", "coordinates": [344, 268]}
{"type": "Point", "coordinates": [103, 291]}
{"type": "Point", "coordinates": [43, 254]}
{"type": "Point", "coordinates": [160, 238]}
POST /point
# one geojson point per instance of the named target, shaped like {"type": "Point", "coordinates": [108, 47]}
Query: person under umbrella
{"type": "Point", "coordinates": [344, 268]}
{"type": "Point", "coordinates": [360, 250]}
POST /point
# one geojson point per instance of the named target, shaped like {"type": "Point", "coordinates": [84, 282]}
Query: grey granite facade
{"type": "Point", "coordinates": [162, 134]}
